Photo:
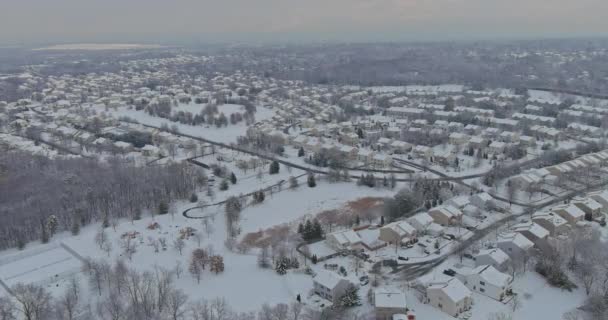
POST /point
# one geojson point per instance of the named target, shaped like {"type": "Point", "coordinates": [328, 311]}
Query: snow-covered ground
{"type": "Point", "coordinates": [208, 131]}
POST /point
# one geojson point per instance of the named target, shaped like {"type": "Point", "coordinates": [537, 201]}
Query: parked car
{"type": "Point", "coordinates": [403, 258]}
{"type": "Point", "coordinates": [449, 272]}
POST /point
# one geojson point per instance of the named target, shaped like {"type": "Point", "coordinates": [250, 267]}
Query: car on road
{"type": "Point", "coordinates": [449, 272]}
{"type": "Point", "coordinates": [403, 258]}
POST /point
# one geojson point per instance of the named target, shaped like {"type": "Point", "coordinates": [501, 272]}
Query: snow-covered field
{"type": "Point", "coordinates": [208, 131]}
{"type": "Point", "coordinates": [244, 285]}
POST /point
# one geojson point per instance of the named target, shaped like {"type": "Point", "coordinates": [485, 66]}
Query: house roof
{"type": "Point", "coordinates": [389, 298]}
{"type": "Point", "coordinates": [328, 279]}
{"type": "Point", "coordinates": [496, 254]}
{"type": "Point", "coordinates": [533, 228]}
{"type": "Point", "coordinates": [346, 237]}
{"type": "Point", "coordinates": [493, 276]}
{"type": "Point", "coordinates": [453, 288]}
{"type": "Point", "coordinates": [571, 210]}
{"type": "Point", "coordinates": [516, 239]}
{"type": "Point", "coordinates": [423, 219]}
{"type": "Point", "coordinates": [402, 228]}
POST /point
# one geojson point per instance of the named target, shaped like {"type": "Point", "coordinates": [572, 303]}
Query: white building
{"type": "Point", "coordinates": [451, 297]}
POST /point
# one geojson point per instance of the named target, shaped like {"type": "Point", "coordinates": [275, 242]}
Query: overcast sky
{"type": "Point", "coordinates": [24, 21]}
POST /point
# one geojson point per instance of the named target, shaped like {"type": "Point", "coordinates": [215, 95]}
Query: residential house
{"type": "Point", "coordinates": [482, 200]}
{"type": "Point", "coordinates": [570, 212]}
{"type": "Point", "coordinates": [552, 222]}
{"type": "Point", "coordinates": [343, 240]}
{"type": "Point", "coordinates": [600, 197]}
{"type": "Point", "coordinates": [592, 208]}
{"type": "Point", "coordinates": [329, 285]}
{"type": "Point", "coordinates": [488, 281]}
{"type": "Point", "coordinates": [494, 257]}
{"type": "Point", "coordinates": [445, 215]}
{"type": "Point", "coordinates": [533, 232]}
{"type": "Point", "coordinates": [451, 297]}
{"type": "Point", "coordinates": [515, 245]}
{"type": "Point", "coordinates": [389, 302]}
{"type": "Point", "coordinates": [395, 232]}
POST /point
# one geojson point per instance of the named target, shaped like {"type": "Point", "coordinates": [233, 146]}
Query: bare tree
{"type": "Point", "coordinates": [129, 247]}
{"type": "Point", "coordinates": [179, 245]}
{"type": "Point", "coordinates": [68, 304]}
{"type": "Point", "coordinates": [7, 309]}
{"type": "Point", "coordinates": [35, 301]}
{"type": "Point", "coordinates": [176, 300]}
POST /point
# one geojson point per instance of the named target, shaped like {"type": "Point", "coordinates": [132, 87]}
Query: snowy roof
{"type": "Point", "coordinates": [459, 202]}
{"type": "Point", "coordinates": [551, 217]}
{"type": "Point", "coordinates": [453, 288]}
{"type": "Point", "coordinates": [484, 196]}
{"type": "Point", "coordinates": [423, 219]}
{"type": "Point", "coordinates": [533, 228]}
{"type": "Point", "coordinates": [517, 239]}
{"type": "Point", "coordinates": [496, 254]}
{"type": "Point", "coordinates": [401, 227]}
{"type": "Point", "coordinates": [493, 276]}
{"type": "Point", "coordinates": [346, 237]}
{"type": "Point", "coordinates": [328, 279]}
{"type": "Point", "coordinates": [389, 298]}
{"type": "Point", "coordinates": [571, 210]}
{"type": "Point", "coordinates": [589, 203]}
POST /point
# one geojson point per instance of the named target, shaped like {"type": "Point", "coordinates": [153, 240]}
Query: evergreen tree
{"type": "Point", "coordinates": [281, 266]}
{"type": "Point", "coordinates": [274, 168]}
{"type": "Point", "coordinates": [311, 180]}
{"type": "Point", "coordinates": [307, 233]}
{"type": "Point", "coordinates": [317, 230]}
{"type": "Point", "coordinates": [232, 178]}
{"type": "Point", "coordinates": [382, 220]}
{"type": "Point", "coordinates": [301, 152]}
{"type": "Point", "coordinates": [357, 220]}
{"type": "Point", "coordinates": [224, 185]}
{"type": "Point", "coordinates": [51, 224]}
{"type": "Point", "coordinates": [75, 228]}
{"type": "Point", "coordinates": [300, 228]}
{"type": "Point", "coordinates": [45, 235]}
{"type": "Point", "coordinates": [163, 208]}
{"type": "Point", "coordinates": [350, 298]}
{"type": "Point", "coordinates": [314, 259]}
{"type": "Point", "coordinates": [193, 198]}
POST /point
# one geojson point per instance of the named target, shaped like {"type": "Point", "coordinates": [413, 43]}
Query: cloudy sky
{"type": "Point", "coordinates": [23, 21]}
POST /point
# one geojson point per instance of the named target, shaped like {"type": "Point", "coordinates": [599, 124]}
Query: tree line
{"type": "Point", "coordinates": [42, 196]}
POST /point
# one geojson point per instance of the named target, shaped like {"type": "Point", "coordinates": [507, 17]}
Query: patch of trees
{"type": "Point", "coordinates": [326, 158]}
{"type": "Point", "coordinates": [402, 205]}
{"type": "Point", "coordinates": [53, 195]}
{"type": "Point", "coordinates": [310, 230]}
{"type": "Point", "coordinates": [136, 138]}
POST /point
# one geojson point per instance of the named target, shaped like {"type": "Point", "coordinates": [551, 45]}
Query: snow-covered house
{"type": "Point", "coordinates": [445, 215]}
{"type": "Point", "coordinates": [343, 240]}
{"type": "Point", "coordinates": [451, 297]}
{"type": "Point", "coordinates": [591, 207]}
{"type": "Point", "coordinates": [458, 202]}
{"type": "Point", "coordinates": [329, 285]}
{"type": "Point", "coordinates": [600, 197]}
{"type": "Point", "coordinates": [482, 200]}
{"type": "Point", "coordinates": [552, 222]}
{"type": "Point", "coordinates": [488, 281]}
{"type": "Point", "coordinates": [494, 257]}
{"type": "Point", "coordinates": [570, 212]}
{"type": "Point", "coordinates": [515, 245]}
{"type": "Point", "coordinates": [533, 232]}
{"type": "Point", "coordinates": [389, 302]}
{"type": "Point", "coordinates": [424, 223]}
{"type": "Point", "coordinates": [395, 232]}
